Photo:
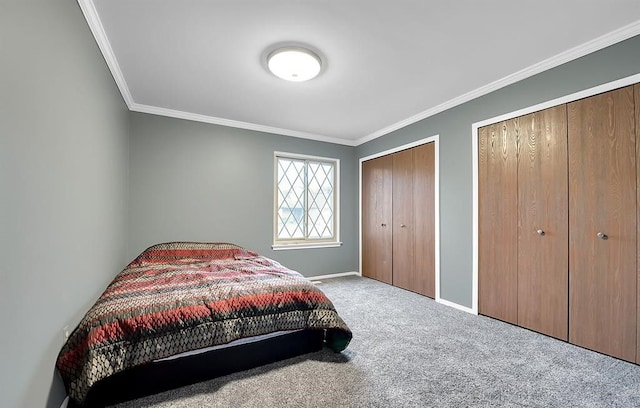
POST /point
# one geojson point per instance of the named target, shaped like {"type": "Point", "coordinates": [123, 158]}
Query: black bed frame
{"type": "Point", "coordinates": [165, 375]}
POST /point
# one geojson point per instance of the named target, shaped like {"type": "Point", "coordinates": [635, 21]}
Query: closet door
{"type": "Point", "coordinates": [424, 219]}
{"type": "Point", "coordinates": [403, 221]}
{"type": "Point", "coordinates": [377, 259]}
{"type": "Point", "coordinates": [543, 222]}
{"type": "Point", "coordinates": [497, 221]}
{"type": "Point", "coordinates": [602, 224]}
{"type": "Point", "coordinates": [637, 124]}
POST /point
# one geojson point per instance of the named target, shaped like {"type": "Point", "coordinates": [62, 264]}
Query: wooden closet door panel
{"type": "Point", "coordinates": [377, 259]}
{"type": "Point", "coordinates": [424, 219]}
{"type": "Point", "coordinates": [637, 125]}
{"type": "Point", "coordinates": [403, 222]}
{"type": "Point", "coordinates": [497, 221]}
{"type": "Point", "coordinates": [543, 235]}
{"type": "Point", "coordinates": [602, 198]}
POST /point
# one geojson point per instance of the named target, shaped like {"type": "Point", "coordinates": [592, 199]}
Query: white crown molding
{"type": "Point", "coordinates": [599, 43]}
{"type": "Point", "coordinates": [93, 20]}
{"type": "Point", "coordinates": [91, 15]}
{"type": "Point", "coordinates": [154, 110]}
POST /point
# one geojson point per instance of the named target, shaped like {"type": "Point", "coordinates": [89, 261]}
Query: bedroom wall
{"type": "Point", "coordinates": [201, 182]}
{"type": "Point", "coordinates": [454, 127]}
{"type": "Point", "coordinates": [63, 189]}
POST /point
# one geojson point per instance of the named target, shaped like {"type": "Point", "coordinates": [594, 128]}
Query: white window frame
{"type": "Point", "coordinates": [306, 243]}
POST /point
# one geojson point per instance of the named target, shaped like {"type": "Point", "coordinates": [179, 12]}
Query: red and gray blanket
{"type": "Point", "coordinates": [178, 297]}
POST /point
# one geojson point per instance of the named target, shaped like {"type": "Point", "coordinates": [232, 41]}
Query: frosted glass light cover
{"type": "Point", "coordinates": [294, 64]}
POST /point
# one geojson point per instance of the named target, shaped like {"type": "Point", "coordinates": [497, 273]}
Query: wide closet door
{"type": "Point", "coordinates": [377, 218]}
{"type": "Point", "coordinates": [522, 231]}
{"type": "Point", "coordinates": [602, 223]}
{"type": "Point", "coordinates": [569, 178]}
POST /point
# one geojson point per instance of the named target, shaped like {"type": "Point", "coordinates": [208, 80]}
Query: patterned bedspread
{"type": "Point", "coordinates": [178, 297]}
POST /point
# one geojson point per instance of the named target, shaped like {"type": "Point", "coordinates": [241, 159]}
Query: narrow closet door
{"type": "Point", "coordinates": [424, 218]}
{"type": "Point", "coordinates": [497, 221]}
{"type": "Point", "coordinates": [637, 124]}
{"type": "Point", "coordinates": [403, 220]}
{"type": "Point", "coordinates": [602, 224]}
{"type": "Point", "coordinates": [543, 240]}
{"type": "Point", "coordinates": [377, 259]}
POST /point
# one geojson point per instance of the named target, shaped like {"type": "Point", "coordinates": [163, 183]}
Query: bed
{"type": "Point", "coordinates": [183, 296]}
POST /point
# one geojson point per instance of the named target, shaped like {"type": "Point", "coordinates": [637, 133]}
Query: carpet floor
{"type": "Point", "coordinates": [409, 351]}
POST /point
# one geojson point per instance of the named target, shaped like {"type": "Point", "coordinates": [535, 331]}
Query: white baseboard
{"type": "Point", "coordinates": [456, 306]}
{"type": "Point", "coordinates": [65, 402]}
{"type": "Point", "coordinates": [333, 275]}
{"type": "Point", "coordinates": [439, 300]}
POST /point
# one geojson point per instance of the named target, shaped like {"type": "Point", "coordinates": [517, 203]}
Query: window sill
{"type": "Point", "coordinates": [284, 247]}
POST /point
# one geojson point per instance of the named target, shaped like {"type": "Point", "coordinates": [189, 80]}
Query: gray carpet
{"type": "Point", "coordinates": [409, 351]}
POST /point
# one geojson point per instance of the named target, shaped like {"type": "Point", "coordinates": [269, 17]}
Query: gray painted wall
{"type": "Point", "coordinates": [200, 182]}
{"type": "Point", "coordinates": [66, 188]}
{"type": "Point", "coordinates": [454, 128]}
{"type": "Point", "coordinates": [63, 189]}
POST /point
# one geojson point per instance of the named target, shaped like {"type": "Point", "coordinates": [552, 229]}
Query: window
{"type": "Point", "coordinates": [306, 201]}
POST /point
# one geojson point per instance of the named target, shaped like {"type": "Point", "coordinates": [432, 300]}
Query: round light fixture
{"type": "Point", "coordinates": [294, 64]}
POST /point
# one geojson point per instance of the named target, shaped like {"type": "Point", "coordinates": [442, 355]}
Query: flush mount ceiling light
{"type": "Point", "coordinates": [294, 63]}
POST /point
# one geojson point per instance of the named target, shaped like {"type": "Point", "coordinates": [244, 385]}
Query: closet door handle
{"type": "Point", "coordinates": [602, 236]}
{"type": "Point", "coordinates": [402, 225]}
{"type": "Point", "coordinates": [384, 225]}
{"type": "Point", "coordinates": [540, 232]}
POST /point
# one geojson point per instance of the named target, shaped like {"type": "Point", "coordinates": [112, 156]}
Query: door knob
{"type": "Point", "coordinates": [602, 236]}
{"type": "Point", "coordinates": [402, 225]}
{"type": "Point", "coordinates": [540, 232]}
{"type": "Point", "coordinates": [384, 225]}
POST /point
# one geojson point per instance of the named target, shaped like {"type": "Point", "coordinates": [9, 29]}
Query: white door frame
{"type": "Point", "coordinates": [433, 139]}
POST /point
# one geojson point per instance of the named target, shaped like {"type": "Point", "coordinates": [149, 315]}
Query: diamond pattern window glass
{"type": "Point", "coordinates": [306, 197]}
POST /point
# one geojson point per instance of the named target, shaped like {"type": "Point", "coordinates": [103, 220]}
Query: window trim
{"type": "Point", "coordinates": [281, 244]}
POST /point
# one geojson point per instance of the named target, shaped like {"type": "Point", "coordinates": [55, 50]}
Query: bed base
{"type": "Point", "coordinates": [165, 375]}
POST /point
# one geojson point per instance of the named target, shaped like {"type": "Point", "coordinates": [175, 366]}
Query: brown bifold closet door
{"type": "Point", "coordinates": [543, 222]}
{"type": "Point", "coordinates": [637, 124]}
{"type": "Point", "coordinates": [377, 227]}
{"type": "Point", "coordinates": [602, 224]}
{"type": "Point", "coordinates": [398, 219]}
{"type": "Point", "coordinates": [497, 221]}
{"type": "Point", "coordinates": [423, 279]}
{"type": "Point", "coordinates": [403, 220]}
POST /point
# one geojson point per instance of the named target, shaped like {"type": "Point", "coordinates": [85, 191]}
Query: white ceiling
{"type": "Point", "coordinates": [386, 63]}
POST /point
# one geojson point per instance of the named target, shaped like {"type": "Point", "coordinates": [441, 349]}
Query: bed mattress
{"type": "Point", "coordinates": [178, 297]}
